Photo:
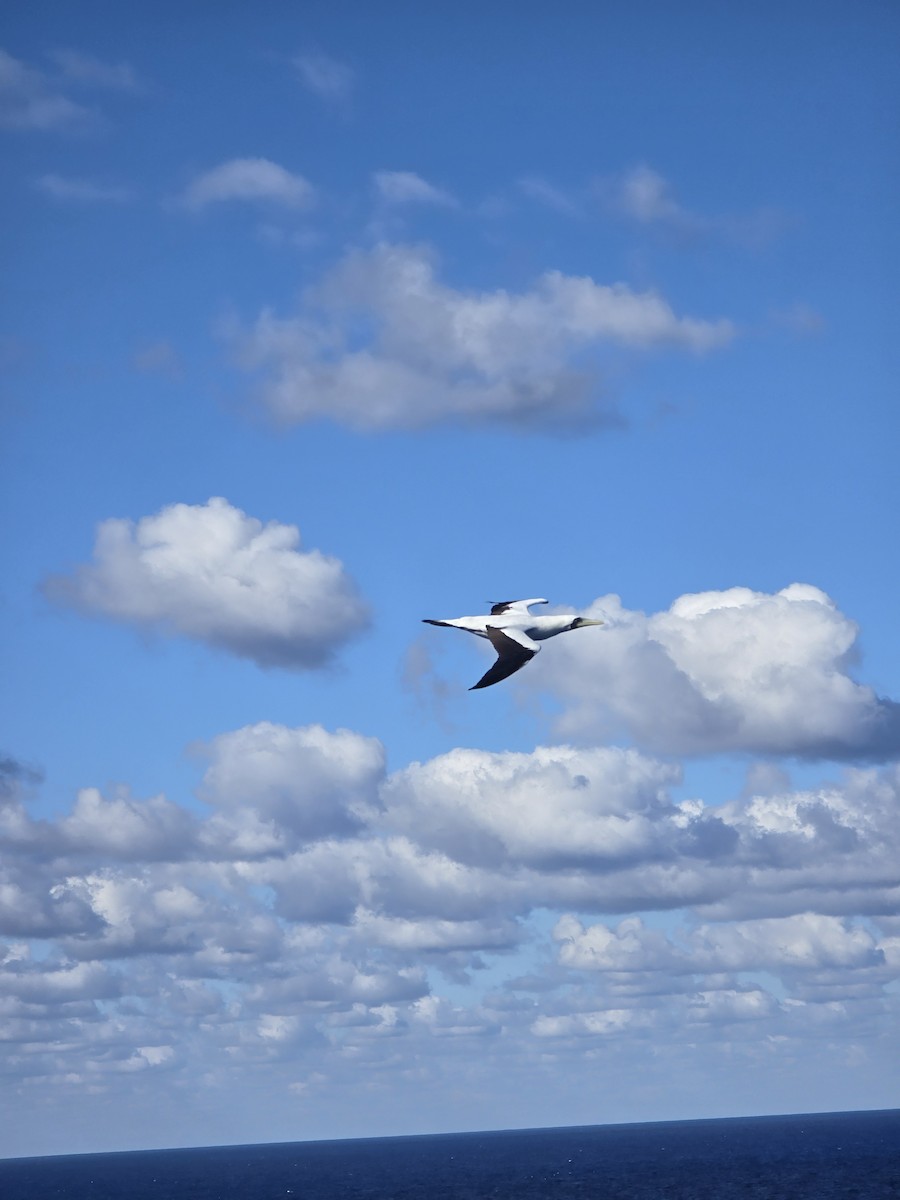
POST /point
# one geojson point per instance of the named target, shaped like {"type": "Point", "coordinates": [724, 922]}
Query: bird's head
{"type": "Point", "coordinates": [580, 622]}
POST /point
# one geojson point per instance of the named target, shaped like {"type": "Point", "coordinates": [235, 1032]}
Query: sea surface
{"type": "Point", "coordinates": [812, 1157]}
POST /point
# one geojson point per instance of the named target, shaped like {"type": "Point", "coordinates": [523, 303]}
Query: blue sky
{"type": "Point", "coordinates": [322, 319]}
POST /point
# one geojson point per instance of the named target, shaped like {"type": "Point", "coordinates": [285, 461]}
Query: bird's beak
{"type": "Point", "coordinates": [587, 621]}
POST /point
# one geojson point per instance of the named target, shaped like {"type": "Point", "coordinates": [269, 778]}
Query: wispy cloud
{"type": "Point", "coordinates": [251, 180]}
{"type": "Point", "coordinates": [159, 358]}
{"type": "Point", "coordinates": [39, 100]}
{"type": "Point", "coordinates": [81, 191]}
{"type": "Point", "coordinates": [329, 79]}
{"type": "Point", "coordinates": [419, 676]}
{"type": "Point", "coordinates": [93, 72]}
{"type": "Point", "coordinates": [800, 319]}
{"type": "Point", "coordinates": [647, 197]}
{"type": "Point", "coordinates": [538, 189]}
{"type": "Point", "coordinates": [31, 101]}
{"type": "Point", "coordinates": [405, 187]}
{"type": "Point", "coordinates": [642, 195]}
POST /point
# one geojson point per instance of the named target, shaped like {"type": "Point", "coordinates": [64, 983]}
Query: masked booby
{"type": "Point", "coordinates": [514, 633]}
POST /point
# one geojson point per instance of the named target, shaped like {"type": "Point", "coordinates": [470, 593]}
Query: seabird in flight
{"type": "Point", "coordinates": [514, 633]}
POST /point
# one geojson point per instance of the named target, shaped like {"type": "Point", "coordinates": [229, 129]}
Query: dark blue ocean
{"type": "Point", "coordinates": [764, 1158]}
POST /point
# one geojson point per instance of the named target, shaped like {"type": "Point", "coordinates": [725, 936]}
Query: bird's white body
{"type": "Point", "coordinates": [514, 633]}
{"type": "Point", "coordinates": [537, 628]}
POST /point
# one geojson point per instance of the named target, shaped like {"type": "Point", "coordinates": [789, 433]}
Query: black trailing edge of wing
{"type": "Point", "coordinates": [511, 657]}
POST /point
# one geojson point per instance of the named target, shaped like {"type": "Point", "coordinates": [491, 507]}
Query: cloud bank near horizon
{"type": "Point", "coordinates": [317, 901]}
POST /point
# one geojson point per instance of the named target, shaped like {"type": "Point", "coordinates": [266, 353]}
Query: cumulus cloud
{"type": "Point", "coordinates": [629, 947]}
{"type": "Point", "coordinates": [609, 1022]}
{"type": "Point", "coordinates": [486, 809]}
{"type": "Point", "coordinates": [78, 981]}
{"type": "Point", "coordinates": [424, 934]}
{"type": "Point", "coordinates": [144, 912]}
{"type": "Point", "coordinates": [210, 572]}
{"type": "Point", "coordinates": [308, 781]}
{"type": "Point", "coordinates": [123, 827]}
{"type": "Point", "coordinates": [31, 904]}
{"type": "Point", "coordinates": [735, 670]}
{"type": "Point", "coordinates": [381, 343]}
{"type": "Point", "coordinates": [472, 834]}
{"type": "Point", "coordinates": [405, 187]}
{"type": "Point", "coordinates": [250, 180]}
{"type": "Point", "coordinates": [802, 942]}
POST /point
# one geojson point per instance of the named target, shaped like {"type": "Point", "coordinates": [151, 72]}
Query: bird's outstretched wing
{"type": "Point", "coordinates": [513, 606]}
{"type": "Point", "coordinates": [514, 649]}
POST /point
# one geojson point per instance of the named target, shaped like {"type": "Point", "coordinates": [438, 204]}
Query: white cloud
{"type": "Point", "coordinates": [432, 353]}
{"type": "Point", "coordinates": [252, 180]}
{"type": "Point", "coordinates": [802, 942]}
{"type": "Point", "coordinates": [608, 806]}
{"type": "Point", "coordinates": [425, 934]}
{"type": "Point", "coordinates": [722, 1006]}
{"type": "Point", "coordinates": [81, 191]}
{"type": "Point", "coordinates": [405, 187]}
{"type": "Point", "coordinates": [470, 835]}
{"type": "Point", "coordinates": [30, 101]}
{"type": "Point", "coordinates": [122, 827]}
{"type": "Point", "coordinates": [211, 572]}
{"type": "Point", "coordinates": [307, 781]}
{"type": "Point", "coordinates": [75, 981]}
{"type": "Point", "coordinates": [736, 670]}
{"type": "Point", "coordinates": [444, 1019]}
{"type": "Point", "coordinates": [331, 80]}
{"type": "Point", "coordinates": [629, 947]}
{"type": "Point", "coordinates": [30, 908]}
{"type": "Point", "coordinates": [609, 1022]}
